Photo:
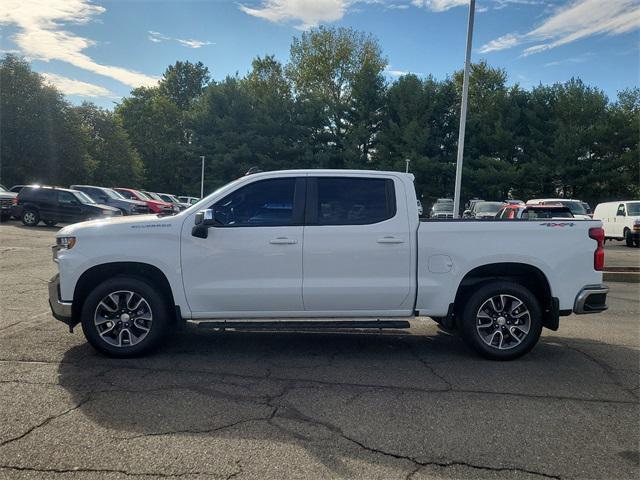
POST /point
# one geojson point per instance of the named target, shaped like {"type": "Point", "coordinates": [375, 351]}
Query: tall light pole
{"type": "Point", "coordinates": [463, 111]}
{"type": "Point", "coordinates": [408, 160]}
{"type": "Point", "coordinates": [202, 178]}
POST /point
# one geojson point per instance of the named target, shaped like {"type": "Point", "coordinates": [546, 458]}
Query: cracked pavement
{"type": "Point", "coordinates": [413, 404]}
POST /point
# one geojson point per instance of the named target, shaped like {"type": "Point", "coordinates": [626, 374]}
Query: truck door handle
{"type": "Point", "coordinates": [390, 239]}
{"type": "Point", "coordinates": [283, 241]}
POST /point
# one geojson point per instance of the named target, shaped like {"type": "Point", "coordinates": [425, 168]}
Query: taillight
{"type": "Point", "coordinates": [597, 233]}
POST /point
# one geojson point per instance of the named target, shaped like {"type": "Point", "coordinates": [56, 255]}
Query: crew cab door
{"type": "Point", "coordinates": [250, 265]}
{"type": "Point", "coordinates": [357, 251]}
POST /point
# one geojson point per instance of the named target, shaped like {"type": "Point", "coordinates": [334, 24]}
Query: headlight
{"type": "Point", "coordinates": [65, 242]}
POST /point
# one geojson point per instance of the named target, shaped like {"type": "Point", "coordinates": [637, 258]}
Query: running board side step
{"type": "Point", "coordinates": [298, 325]}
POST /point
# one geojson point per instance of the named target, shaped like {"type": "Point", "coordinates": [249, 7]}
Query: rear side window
{"type": "Point", "coordinates": [353, 201]}
{"type": "Point", "coordinates": [67, 198]}
{"type": "Point", "coordinates": [39, 194]}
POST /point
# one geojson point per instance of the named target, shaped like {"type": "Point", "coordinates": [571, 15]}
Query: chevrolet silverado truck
{"type": "Point", "coordinates": [323, 249]}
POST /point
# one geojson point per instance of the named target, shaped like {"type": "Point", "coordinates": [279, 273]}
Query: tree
{"type": "Point", "coordinates": [324, 66]}
{"type": "Point", "coordinates": [184, 81]}
{"type": "Point", "coordinates": [41, 138]}
{"type": "Point", "coordinates": [114, 161]}
{"type": "Point", "coordinates": [153, 123]}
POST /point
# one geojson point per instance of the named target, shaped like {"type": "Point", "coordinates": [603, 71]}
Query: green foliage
{"type": "Point", "coordinates": [329, 106]}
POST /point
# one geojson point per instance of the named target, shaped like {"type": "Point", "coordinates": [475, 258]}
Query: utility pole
{"type": "Point", "coordinates": [202, 178]}
{"type": "Point", "coordinates": [408, 160]}
{"type": "Point", "coordinates": [463, 112]}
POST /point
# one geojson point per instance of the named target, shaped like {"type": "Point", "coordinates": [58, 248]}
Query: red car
{"type": "Point", "coordinates": [155, 206]}
{"type": "Point", "coordinates": [534, 212]}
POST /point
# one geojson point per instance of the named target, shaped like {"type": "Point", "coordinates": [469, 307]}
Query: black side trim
{"type": "Point", "coordinates": [297, 325]}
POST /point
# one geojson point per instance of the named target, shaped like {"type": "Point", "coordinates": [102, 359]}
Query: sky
{"type": "Point", "coordinates": [98, 50]}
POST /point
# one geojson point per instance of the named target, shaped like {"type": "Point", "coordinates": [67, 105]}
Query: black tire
{"type": "Point", "coordinates": [471, 325]}
{"type": "Point", "coordinates": [628, 238]}
{"type": "Point", "coordinates": [30, 217]}
{"type": "Point", "coordinates": [158, 327]}
{"type": "Point", "coordinates": [50, 223]}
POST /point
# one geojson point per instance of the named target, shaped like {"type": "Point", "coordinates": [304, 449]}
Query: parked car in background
{"type": "Point", "coordinates": [577, 207]}
{"type": "Point", "coordinates": [155, 206]}
{"type": "Point", "coordinates": [483, 210]}
{"type": "Point", "coordinates": [587, 207]}
{"type": "Point", "coordinates": [53, 205]}
{"type": "Point", "coordinates": [442, 210]}
{"type": "Point", "coordinates": [420, 209]}
{"type": "Point", "coordinates": [189, 200]}
{"type": "Point", "coordinates": [167, 197]}
{"type": "Point", "coordinates": [158, 198]}
{"type": "Point", "coordinates": [108, 196]}
{"type": "Point", "coordinates": [533, 212]}
{"type": "Point", "coordinates": [7, 199]}
{"type": "Point", "coordinates": [469, 205]}
{"type": "Point", "coordinates": [620, 220]}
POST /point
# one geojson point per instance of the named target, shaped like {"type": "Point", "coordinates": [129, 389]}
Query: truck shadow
{"type": "Point", "coordinates": [343, 398]}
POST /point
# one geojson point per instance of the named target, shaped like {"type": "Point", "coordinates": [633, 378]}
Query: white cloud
{"type": "Point", "coordinates": [157, 37]}
{"type": "Point", "coordinates": [506, 41]}
{"type": "Point", "coordinates": [578, 20]}
{"type": "Point", "coordinates": [41, 35]}
{"type": "Point", "coordinates": [399, 73]}
{"type": "Point", "coordinates": [305, 13]}
{"type": "Point", "coordinates": [69, 86]}
{"type": "Point", "coordinates": [440, 5]}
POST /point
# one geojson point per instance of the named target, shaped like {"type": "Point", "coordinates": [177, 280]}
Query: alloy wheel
{"type": "Point", "coordinates": [123, 318]}
{"type": "Point", "coordinates": [503, 321]}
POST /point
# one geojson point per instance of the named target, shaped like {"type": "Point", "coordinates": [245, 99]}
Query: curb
{"type": "Point", "coordinates": [626, 277]}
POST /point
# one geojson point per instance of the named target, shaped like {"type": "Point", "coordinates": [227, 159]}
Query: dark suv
{"type": "Point", "coordinates": [53, 205]}
{"type": "Point", "coordinates": [108, 196]}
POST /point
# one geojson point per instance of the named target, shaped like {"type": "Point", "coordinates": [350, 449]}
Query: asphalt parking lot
{"type": "Point", "coordinates": [413, 404]}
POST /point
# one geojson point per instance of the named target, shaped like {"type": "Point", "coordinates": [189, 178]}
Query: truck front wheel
{"type": "Point", "coordinates": [501, 320]}
{"type": "Point", "coordinates": [125, 317]}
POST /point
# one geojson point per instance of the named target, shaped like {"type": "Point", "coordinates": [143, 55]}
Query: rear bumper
{"type": "Point", "coordinates": [591, 299]}
{"type": "Point", "coordinates": [60, 310]}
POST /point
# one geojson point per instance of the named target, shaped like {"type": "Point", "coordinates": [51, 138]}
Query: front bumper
{"type": "Point", "coordinates": [591, 299]}
{"type": "Point", "coordinates": [60, 310]}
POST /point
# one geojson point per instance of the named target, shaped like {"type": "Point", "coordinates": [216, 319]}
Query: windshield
{"type": "Point", "coordinates": [577, 208]}
{"type": "Point", "coordinates": [154, 196]}
{"type": "Point", "coordinates": [488, 207]}
{"type": "Point", "coordinates": [443, 207]}
{"type": "Point", "coordinates": [140, 195]}
{"type": "Point", "coordinates": [83, 197]}
{"type": "Point", "coordinates": [113, 194]}
{"type": "Point", "coordinates": [633, 209]}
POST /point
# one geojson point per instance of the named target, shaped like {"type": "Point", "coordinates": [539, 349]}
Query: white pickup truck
{"type": "Point", "coordinates": [323, 249]}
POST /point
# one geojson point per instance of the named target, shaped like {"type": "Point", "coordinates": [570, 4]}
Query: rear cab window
{"type": "Point", "coordinates": [350, 200]}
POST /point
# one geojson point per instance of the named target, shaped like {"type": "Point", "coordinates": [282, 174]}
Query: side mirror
{"type": "Point", "coordinates": [204, 219]}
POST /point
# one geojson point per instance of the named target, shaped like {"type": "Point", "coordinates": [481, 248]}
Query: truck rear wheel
{"type": "Point", "coordinates": [501, 320]}
{"type": "Point", "coordinates": [125, 317]}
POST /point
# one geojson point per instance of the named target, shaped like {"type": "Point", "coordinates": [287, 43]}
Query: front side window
{"type": "Point", "coordinates": [67, 198]}
{"type": "Point", "coordinates": [354, 201]}
{"type": "Point", "coordinates": [262, 203]}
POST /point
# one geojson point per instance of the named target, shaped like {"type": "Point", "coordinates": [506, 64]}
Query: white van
{"type": "Point", "coordinates": [621, 220]}
{"type": "Point", "coordinates": [578, 208]}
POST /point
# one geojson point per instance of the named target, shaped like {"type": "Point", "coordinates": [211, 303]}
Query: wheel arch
{"type": "Point", "coordinates": [98, 273]}
{"type": "Point", "coordinates": [524, 274]}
